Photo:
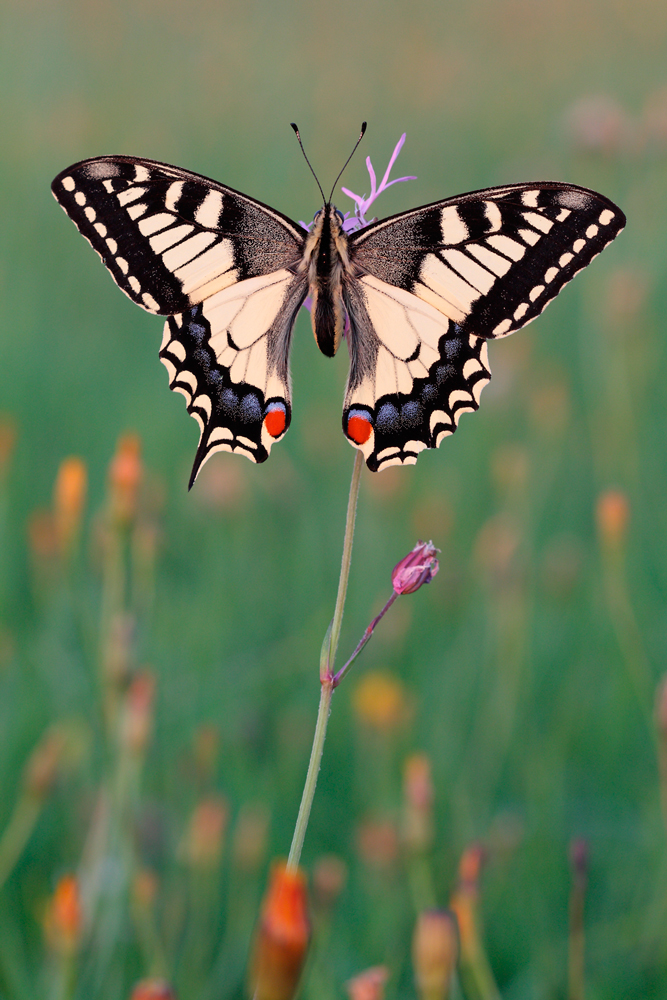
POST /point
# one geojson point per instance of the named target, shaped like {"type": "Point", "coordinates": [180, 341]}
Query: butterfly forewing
{"type": "Point", "coordinates": [434, 283]}
{"type": "Point", "coordinates": [171, 238]}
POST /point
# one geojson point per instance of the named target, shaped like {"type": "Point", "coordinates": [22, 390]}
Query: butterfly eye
{"type": "Point", "coordinates": [341, 217]}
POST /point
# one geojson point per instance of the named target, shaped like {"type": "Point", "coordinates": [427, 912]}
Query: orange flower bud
{"type": "Point", "coordinates": [63, 917]}
{"type": "Point", "coordinates": [435, 949]}
{"type": "Point", "coordinates": [368, 985]}
{"type": "Point", "coordinates": [69, 497]}
{"type": "Point", "coordinates": [282, 936]}
{"type": "Point", "coordinates": [204, 839]}
{"type": "Point", "coordinates": [125, 475]}
{"type": "Point", "coordinates": [152, 989]}
{"type": "Point", "coordinates": [613, 514]}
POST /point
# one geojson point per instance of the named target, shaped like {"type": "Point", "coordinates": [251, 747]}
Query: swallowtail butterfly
{"type": "Point", "coordinates": [422, 292]}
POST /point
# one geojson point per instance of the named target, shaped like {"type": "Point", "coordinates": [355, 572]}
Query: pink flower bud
{"type": "Point", "coordinates": [415, 569]}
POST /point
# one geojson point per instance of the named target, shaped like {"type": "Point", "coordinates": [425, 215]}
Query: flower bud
{"type": "Point", "coordinates": [329, 878]}
{"type": "Point", "coordinates": [69, 497]}
{"type": "Point", "coordinates": [63, 918]}
{"type": "Point", "coordinates": [415, 569]}
{"type": "Point", "coordinates": [137, 713]}
{"type": "Point", "coordinates": [434, 953]}
{"type": "Point", "coordinates": [282, 936]}
{"type": "Point", "coordinates": [250, 836]}
{"type": "Point", "coordinates": [43, 765]}
{"type": "Point", "coordinates": [368, 985]}
{"type": "Point", "coordinates": [125, 475]}
{"type": "Point", "coordinates": [613, 514]}
{"type": "Point", "coordinates": [152, 989]}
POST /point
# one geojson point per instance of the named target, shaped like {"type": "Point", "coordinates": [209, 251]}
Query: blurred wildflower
{"type": "Point", "coordinates": [415, 569]}
{"type": "Point", "coordinates": [42, 535]}
{"type": "Point", "coordinates": [153, 989]}
{"type": "Point", "coordinates": [613, 515]}
{"type": "Point", "coordinates": [417, 803]}
{"type": "Point", "coordinates": [222, 487]}
{"type": "Point", "coordinates": [136, 721]}
{"type": "Point", "coordinates": [380, 701]}
{"type": "Point", "coordinates": [561, 565]}
{"type": "Point", "coordinates": [598, 124]}
{"type": "Point", "coordinates": [251, 833]}
{"type": "Point", "coordinates": [69, 497]}
{"type": "Point", "coordinates": [202, 847]}
{"type": "Point", "coordinates": [205, 751]}
{"type": "Point", "coordinates": [44, 764]}
{"type": "Point", "coordinates": [549, 407]}
{"type": "Point", "coordinates": [434, 953]}
{"type": "Point", "coordinates": [377, 842]}
{"type": "Point", "coordinates": [363, 203]}
{"type": "Point", "coordinates": [509, 469]}
{"type": "Point", "coordinates": [125, 476]}
{"type": "Point", "coordinates": [282, 936]}
{"type": "Point", "coordinates": [368, 985]}
{"type": "Point", "coordinates": [329, 879]}
{"type": "Point", "coordinates": [626, 292]}
{"type": "Point", "coordinates": [144, 888]}
{"type": "Point", "coordinates": [496, 547]}
{"type": "Point", "coordinates": [63, 918]}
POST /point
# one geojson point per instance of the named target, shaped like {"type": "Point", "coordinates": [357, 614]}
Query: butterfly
{"type": "Point", "coordinates": [416, 295]}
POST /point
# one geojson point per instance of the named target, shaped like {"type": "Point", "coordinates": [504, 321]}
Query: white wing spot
{"type": "Point", "coordinates": [538, 221]}
{"type": "Point", "coordinates": [493, 215]}
{"type": "Point", "coordinates": [506, 246]}
{"type": "Point", "coordinates": [438, 417]}
{"type": "Point", "coordinates": [177, 350]}
{"type": "Point", "coordinates": [441, 436]}
{"type": "Point", "coordinates": [591, 232]}
{"type": "Point", "coordinates": [134, 211]}
{"type": "Point", "coordinates": [140, 173]}
{"type": "Point", "coordinates": [550, 274]}
{"type": "Point", "coordinates": [167, 239]}
{"type": "Point", "coordinates": [123, 264]}
{"type": "Point", "coordinates": [502, 328]}
{"type": "Point", "coordinates": [471, 366]}
{"type": "Point", "coordinates": [208, 213]}
{"type": "Point", "coordinates": [565, 259]}
{"type": "Point", "coordinates": [174, 192]}
{"type": "Point", "coordinates": [80, 198]}
{"type": "Point", "coordinates": [604, 220]}
{"type": "Point", "coordinates": [578, 245]}
{"type": "Point", "coordinates": [130, 194]}
{"type": "Point", "coordinates": [150, 301]}
{"type": "Point", "coordinates": [154, 223]}
{"type": "Point", "coordinates": [68, 183]}
{"type": "Point", "coordinates": [529, 198]}
{"type": "Point", "coordinates": [90, 213]}
{"type": "Point", "coordinates": [134, 284]}
{"type": "Point", "coordinates": [454, 229]}
{"type": "Point", "coordinates": [204, 403]}
{"type": "Point", "coordinates": [536, 292]}
{"type": "Point", "coordinates": [497, 264]}
{"type": "Point", "coordinates": [113, 246]}
{"type": "Point", "coordinates": [521, 311]}
{"type": "Point", "coordinates": [108, 186]}
{"type": "Point", "coordinates": [101, 229]}
{"type": "Point", "coordinates": [563, 214]}
{"type": "Point", "coordinates": [529, 236]}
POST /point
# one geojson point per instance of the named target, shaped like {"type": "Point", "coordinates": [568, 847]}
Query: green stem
{"type": "Point", "coordinates": [17, 833]}
{"type": "Point", "coordinates": [326, 674]}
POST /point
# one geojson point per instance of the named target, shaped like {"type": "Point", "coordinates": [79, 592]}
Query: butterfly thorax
{"type": "Point", "coordinates": [326, 259]}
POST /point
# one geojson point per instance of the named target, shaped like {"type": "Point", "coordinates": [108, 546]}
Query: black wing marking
{"type": "Point", "coordinates": [413, 373]}
{"type": "Point", "coordinates": [491, 260]}
{"type": "Point", "coordinates": [171, 238]}
{"type": "Point", "coordinates": [229, 357]}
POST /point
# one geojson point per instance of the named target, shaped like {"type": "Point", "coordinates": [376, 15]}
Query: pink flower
{"type": "Point", "coordinates": [415, 569]}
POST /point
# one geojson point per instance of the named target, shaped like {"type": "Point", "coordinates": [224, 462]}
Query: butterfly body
{"type": "Point", "coordinates": [420, 292]}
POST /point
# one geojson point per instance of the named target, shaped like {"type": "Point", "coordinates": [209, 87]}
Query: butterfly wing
{"type": "Point", "coordinates": [437, 282]}
{"type": "Point", "coordinates": [222, 266]}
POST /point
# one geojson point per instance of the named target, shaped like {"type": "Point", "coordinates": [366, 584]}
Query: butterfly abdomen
{"type": "Point", "coordinates": [327, 258]}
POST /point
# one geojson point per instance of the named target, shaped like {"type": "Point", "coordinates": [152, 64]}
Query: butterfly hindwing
{"type": "Point", "coordinates": [171, 238]}
{"type": "Point", "coordinates": [438, 281]}
{"type": "Point", "coordinates": [229, 357]}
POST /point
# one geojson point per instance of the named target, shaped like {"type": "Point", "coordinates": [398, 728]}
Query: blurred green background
{"type": "Point", "coordinates": [526, 672]}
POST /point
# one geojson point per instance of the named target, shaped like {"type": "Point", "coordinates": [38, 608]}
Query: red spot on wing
{"type": "Point", "coordinates": [359, 429]}
{"type": "Point", "coordinates": [275, 421]}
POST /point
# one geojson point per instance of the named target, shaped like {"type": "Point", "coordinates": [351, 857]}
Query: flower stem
{"type": "Point", "coordinates": [326, 676]}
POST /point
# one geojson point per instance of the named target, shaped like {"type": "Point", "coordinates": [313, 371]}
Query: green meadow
{"type": "Point", "coordinates": [159, 648]}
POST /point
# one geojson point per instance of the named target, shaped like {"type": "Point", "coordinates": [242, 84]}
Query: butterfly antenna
{"type": "Point", "coordinates": [363, 130]}
{"type": "Point", "coordinates": [296, 132]}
